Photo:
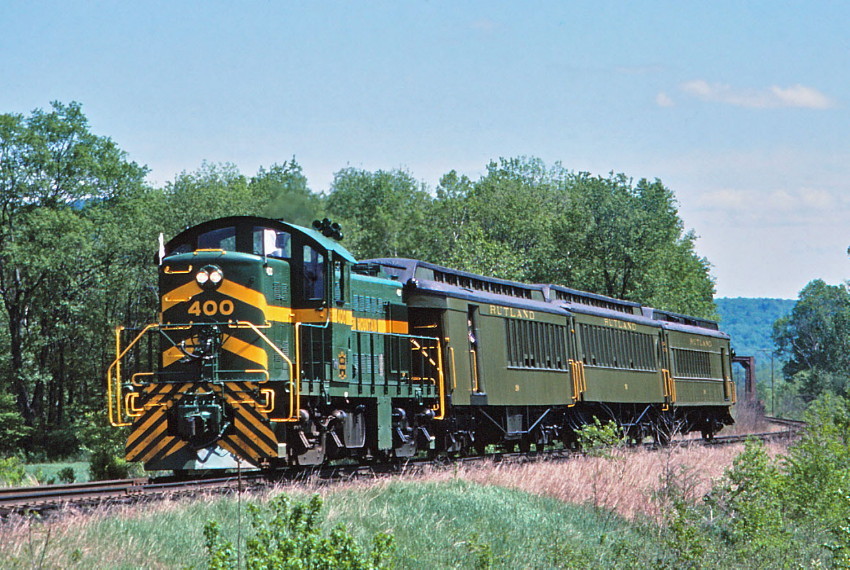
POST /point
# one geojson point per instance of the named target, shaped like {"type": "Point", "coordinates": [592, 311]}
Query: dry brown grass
{"type": "Point", "coordinates": [626, 482]}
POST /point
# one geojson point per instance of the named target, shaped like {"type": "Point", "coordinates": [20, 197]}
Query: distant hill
{"type": "Point", "coordinates": [750, 322]}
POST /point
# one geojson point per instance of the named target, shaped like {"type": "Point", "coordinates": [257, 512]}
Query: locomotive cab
{"type": "Point", "coordinates": [263, 353]}
{"type": "Point", "coordinates": [232, 291]}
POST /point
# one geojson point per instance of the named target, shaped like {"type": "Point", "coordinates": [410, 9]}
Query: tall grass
{"type": "Point", "coordinates": [587, 512]}
{"type": "Point", "coordinates": [624, 483]}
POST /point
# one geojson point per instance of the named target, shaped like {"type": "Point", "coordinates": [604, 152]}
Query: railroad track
{"type": "Point", "coordinates": [45, 498]}
{"type": "Point", "coordinates": [51, 498]}
{"type": "Point", "coordinates": [793, 424]}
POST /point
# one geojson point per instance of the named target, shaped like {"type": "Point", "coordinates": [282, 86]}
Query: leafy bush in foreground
{"type": "Point", "coordinates": [788, 511]}
{"type": "Point", "coordinates": [289, 535]}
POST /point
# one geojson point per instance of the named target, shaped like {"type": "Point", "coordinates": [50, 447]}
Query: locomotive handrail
{"type": "Point", "coordinates": [115, 415]}
{"type": "Point", "coordinates": [442, 385]}
{"type": "Point", "coordinates": [440, 381]}
{"type": "Point", "coordinates": [454, 369]}
{"type": "Point", "coordinates": [269, 405]}
{"type": "Point", "coordinates": [117, 408]}
{"type": "Point", "coordinates": [294, 390]}
{"type": "Point", "coordinates": [167, 270]}
{"type": "Point", "coordinates": [130, 405]}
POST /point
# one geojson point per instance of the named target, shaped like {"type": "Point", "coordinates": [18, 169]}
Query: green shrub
{"type": "Point", "coordinates": [289, 535]}
{"type": "Point", "coordinates": [841, 548]}
{"type": "Point", "coordinates": [11, 471]}
{"type": "Point", "coordinates": [104, 464]}
{"type": "Point", "coordinates": [597, 439]}
{"type": "Point", "coordinates": [817, 465]}
{"type": "Point", "coordinates": [750, 497]}
{"type": "Point", "coordinates": [105, 445]}
{"type": "Point", "coordinates": [66, 475]}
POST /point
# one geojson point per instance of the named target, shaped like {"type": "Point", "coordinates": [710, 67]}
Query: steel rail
{"type": "Point", "coordinates": [51, 498]}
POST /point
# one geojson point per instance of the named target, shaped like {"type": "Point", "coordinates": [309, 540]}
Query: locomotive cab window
{"type": "Point", "coordinates": [222, 238]}
{"type": "Point", "coordinates": [185, 247]}
{"type": "Point", "coordinates": [314, 274]}
{"type": "Point", "coordinates": [272, 243]}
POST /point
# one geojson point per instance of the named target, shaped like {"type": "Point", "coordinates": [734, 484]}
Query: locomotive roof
{"type": "Point", "coordinates": [324, 242]}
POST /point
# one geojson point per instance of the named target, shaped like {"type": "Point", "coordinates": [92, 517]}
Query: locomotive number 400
{"type": "Point", "coordinates": [210, 308]}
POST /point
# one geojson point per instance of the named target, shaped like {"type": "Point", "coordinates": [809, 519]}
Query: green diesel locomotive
{"type": "Point", "coordinates": [275, 347]}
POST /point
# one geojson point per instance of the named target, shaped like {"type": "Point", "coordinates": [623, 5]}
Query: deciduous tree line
{"type": "Point", "coordinates": [79, 225]}
{"type": "Point", "coordinates": [815, 341]}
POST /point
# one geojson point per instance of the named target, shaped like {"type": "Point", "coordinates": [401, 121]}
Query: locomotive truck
{"type": "Point", "coordinates": [274, 346]}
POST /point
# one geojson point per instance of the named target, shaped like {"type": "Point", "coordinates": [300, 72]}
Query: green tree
{"type": "Point", "coordinates": [283, 188]}
{"type": "Point", "coordinates": [627, 241]}
{"type": "Point", "coordinates": [382, 213]}
{"type": "Point", "coordinates": [213, 191]}
{"type": "Point", "coordinates": [52, 169]}
{"type": "Point", "coordinates": [512, 208]}
{"type": "Point", "coordinates": [815, 339]}
{"type": "Point", "coordinates": [528, 222]}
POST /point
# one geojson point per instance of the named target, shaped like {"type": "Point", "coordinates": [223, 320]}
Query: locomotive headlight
{"type": "Point", "coordinates": [209, 277]}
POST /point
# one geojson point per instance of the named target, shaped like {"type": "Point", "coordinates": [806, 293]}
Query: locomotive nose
{"type": "Point", "coordinates": [200, 419]}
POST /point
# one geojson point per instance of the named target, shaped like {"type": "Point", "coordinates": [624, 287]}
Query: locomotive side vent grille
{"type": "Point", "coordinates": [280, 291]}
{"type": "Point", "coordinates": [692, 363]}
{"type": "Point", "coordinates": [284, 347]}
{"type": "Point", "coordinates": [365, 304]}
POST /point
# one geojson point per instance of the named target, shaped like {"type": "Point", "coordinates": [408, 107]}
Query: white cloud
{"type": "Point", "coordinates": [664, 100]}
{"type": "Point", "coordinates": [817, 199]}
{"type": "Point", "coordinates": [773, 97]}
{"type": "Point", "coordinates": [770, 208]}
{"type": "Point", "coordinates": [726, 199]}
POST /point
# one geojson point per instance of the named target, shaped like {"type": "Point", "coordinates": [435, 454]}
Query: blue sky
{"type": "Point", "coordinates": [741, 108]}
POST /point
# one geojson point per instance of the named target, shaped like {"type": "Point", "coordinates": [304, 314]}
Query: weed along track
{"type": "Point", "coordinates": [53, 499]}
